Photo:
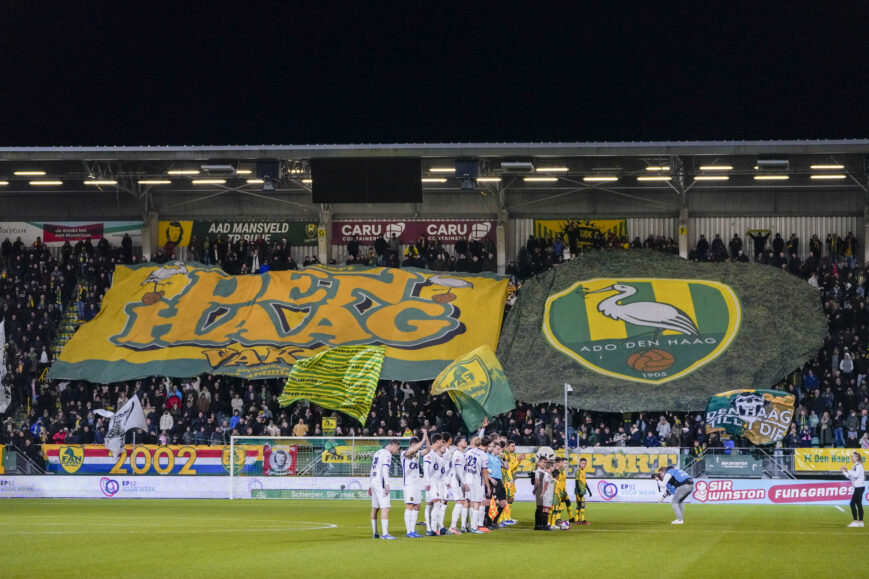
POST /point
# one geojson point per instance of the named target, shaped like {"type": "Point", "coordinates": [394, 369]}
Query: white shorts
{"type": "Point", "coordinates": [547, 499]}
{"type": "Point", "coordinates": [444, 492]}
{"type": "Point", "coordinates": [435, 492]}
{"type": "Point", "coordinates": [477, 494]}
{"type": "Point", "coordinates": [412, 494]}
{"type": "Point", "coordinates": [458, 491]}
{"type": "Point", "coordinates": [379, 499]}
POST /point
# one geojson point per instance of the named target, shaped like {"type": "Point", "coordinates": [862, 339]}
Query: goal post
{"type": "Point", "coordinates": [303, 467]}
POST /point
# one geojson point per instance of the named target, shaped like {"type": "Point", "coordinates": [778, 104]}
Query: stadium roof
{"type": "Point", "coordinates": [821, 165]}
{"type": "Point", "coordinates": [626, 148]}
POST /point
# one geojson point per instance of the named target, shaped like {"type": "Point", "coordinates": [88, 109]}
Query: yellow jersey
{"type": "Point", "coordinates": [580, 485]}
{"type": "Point", "coordinates": [509, 465]}
{"type": "Point", "coordinates": [561, 483]}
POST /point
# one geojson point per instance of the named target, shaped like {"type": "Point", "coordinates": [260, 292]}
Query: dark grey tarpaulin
{"type": "Point", "coordinates": [781, 326]}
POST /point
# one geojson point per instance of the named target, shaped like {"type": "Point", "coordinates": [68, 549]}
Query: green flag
{"type": "Point", "coordinates": [342, 379]}
{"type": "Point", "coordinates": [762, 416]}
{"type": "Point", "coordinates": [478, 386]}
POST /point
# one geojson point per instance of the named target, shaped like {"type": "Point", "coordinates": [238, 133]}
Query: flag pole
{"type": "Point", "coordinates": [567, 389]}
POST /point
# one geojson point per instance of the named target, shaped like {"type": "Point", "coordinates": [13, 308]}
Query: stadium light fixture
{"type": "Point", "coordinates": [654, 178]}
{"type": "Point", "coordinates": [551, 169]}
{"type": "Point", "coordinates": [307, 181]}
{"type": "Point", "coordinates": [29, 173]}
{"type": "Point", "coordinates": [3, 183]}
{"type": "Point", "coordinates": [716, 167]}
{"type": "Point", "coordinates": [771, 177]}
{"type": "Point", "coordinates": [711, 178]}
{"type": "Point", "coordinates": [155, 182]}
{"type": "Point", "coordinates": [830, 176]}
{"type": "Point", "coordinates": [658, 168]}
{"type": "Point", "coordinates": [255, 181]}
{"type": "Point", "coordinates": [46, 183]}
{"type": "Point", "coordinates": [488, 179]}
{"type": "Point", "coordinates": [540, 179]}
{"type": "Point", "coordinates": [433, 180]}
{"type": "Point", "coordinates": [183, 172]}
{"type": "Point", "coordinates": [208, 181]}
{"type": "Point", "coordinates": [98, 182]}
{"type": "Point", "coordinates": [600, 179]}
{"type": "Point", "coordinates": [442, 170]}
{"type": "Point", "coordinates": [827, 167]}
{"type": "Point", "coordinates": [243, 172]}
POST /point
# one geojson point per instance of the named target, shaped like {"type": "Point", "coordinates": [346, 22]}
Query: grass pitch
{"type": "Point", "coordinates": [279, 538]}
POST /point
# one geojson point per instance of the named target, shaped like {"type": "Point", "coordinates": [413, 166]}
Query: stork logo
{"type": "Point", "coordinates": [642, 329]}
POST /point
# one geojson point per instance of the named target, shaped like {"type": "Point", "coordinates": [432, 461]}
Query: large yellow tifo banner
{"type": "Point", "coordinates": [825, 459]}
{"type": "Point", "coordinates": [184, 319]}
{"type": "Point", "coordinates": [583, 231]}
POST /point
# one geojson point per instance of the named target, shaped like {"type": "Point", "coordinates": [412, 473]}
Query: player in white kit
{"type": "Point", "coordinates": [433, 468]}
{"type": "Point", "coordinates": [476, 467]}
{"type": "Point", "coordinates": [446, 480]}
{"type": "Point", "coordinates": [378, 488]}
{"type": "Point", "coordinates": [458, 486]}
{"type": "Point", "coordinates": [413, 482]}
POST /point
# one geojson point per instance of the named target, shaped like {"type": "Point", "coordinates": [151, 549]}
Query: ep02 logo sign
{"type": "Point", "coordinates": [109, 486]}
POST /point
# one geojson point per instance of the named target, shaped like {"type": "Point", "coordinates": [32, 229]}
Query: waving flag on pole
{"type": "Point", "coordinates": [761, 416]}
{"type": "Point", "coordinates": [343, 379]}
{"type": "Point", "coordinates": [128, 417]}
{"type": "Point", "coordinates": [477, 385]}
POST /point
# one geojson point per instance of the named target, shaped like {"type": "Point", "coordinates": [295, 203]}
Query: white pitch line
{"type": "Point", "coordinates": [169, 530]}
{"type": "Point", "coordinates": [840, 508]}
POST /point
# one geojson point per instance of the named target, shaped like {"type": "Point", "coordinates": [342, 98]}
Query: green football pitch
{"type": "Point", "coordinates": [279, 538]}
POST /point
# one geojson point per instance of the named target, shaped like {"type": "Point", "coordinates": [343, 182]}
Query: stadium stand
{"type": "Point", "coordinates": [46, 295]}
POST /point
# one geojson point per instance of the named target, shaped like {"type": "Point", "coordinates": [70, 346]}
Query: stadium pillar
{"type": "Point", "coordinates": [683, 233]}
{"type": "Point", "coordinates": [324, 235]}
{"type": "Point", "coordinates": [501, 232]}
{"type": "Point", "coordinates": [150, 234]}
{"type": "Point", "coordinates": [865, 230]}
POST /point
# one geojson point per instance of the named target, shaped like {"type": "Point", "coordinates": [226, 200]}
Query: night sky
{"type": "Point", "coordinates": [365, 72]}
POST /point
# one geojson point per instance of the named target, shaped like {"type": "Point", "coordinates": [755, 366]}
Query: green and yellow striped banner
{"type": "Point", "coordinates": [342, 379]}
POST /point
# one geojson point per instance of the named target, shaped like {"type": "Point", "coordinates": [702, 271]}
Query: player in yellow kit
{"type": "Point", "coordinates": [509, 465]}
{"type": "Point", "coordinates": [560, 499]}
{"type": "Point", "coordinates": [580, 489]}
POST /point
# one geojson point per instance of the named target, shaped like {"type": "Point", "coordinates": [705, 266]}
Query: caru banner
{"type": "Point", "coordinates": [409, 231]}
{"type": "Point", "coordinates": [183, 319]}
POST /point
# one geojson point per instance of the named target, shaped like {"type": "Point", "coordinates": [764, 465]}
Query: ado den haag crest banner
{"type": "Point", "coordinates": [183, 319]}
{"type": "Point", "coordinates": [641, 330]}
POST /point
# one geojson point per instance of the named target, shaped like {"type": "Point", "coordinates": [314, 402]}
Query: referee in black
{"type": "Point", "coordinates": [497, 490]}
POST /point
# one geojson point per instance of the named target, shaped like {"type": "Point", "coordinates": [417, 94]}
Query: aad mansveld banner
{"type": "Point", "coordinates": [181, 233]}
{"type": "Point", "coordinates": [407, 232]}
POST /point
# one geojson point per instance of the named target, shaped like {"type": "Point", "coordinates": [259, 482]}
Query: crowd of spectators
{"type": "Point", "coordinates": [36, 285]}
{"type": "Point", "coordinates": [542, 253]}
{"type": "Point", "coordinates": [236, 255]}
{"type": "Point", "coordinates": [466, 255]}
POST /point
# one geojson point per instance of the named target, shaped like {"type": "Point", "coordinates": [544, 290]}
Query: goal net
{"type": "Point", "coordinates": [277, 467]}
